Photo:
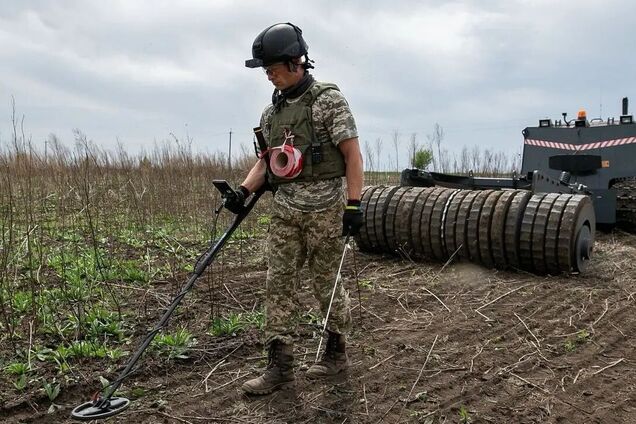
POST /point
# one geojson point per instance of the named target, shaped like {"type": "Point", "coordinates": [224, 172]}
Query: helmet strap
{"type": "Point", "coordinates": [308, 63]}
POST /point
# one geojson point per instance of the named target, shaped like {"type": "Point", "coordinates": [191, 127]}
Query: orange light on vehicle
{"type": "Point", "coordinates": [582, 114]}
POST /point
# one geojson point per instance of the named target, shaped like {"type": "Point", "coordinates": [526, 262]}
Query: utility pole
{"type": "Point", "coordinates": [229, 155]}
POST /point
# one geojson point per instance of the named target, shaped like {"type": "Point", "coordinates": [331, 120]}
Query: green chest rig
{"type": "Point", "coordinates": [322, 160]}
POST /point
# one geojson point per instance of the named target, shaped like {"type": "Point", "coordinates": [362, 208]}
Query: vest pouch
{"type": "Point", "coordinates": [316, 153]}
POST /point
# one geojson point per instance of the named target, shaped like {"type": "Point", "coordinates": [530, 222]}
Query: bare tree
{"type": "Point", "coordinates": [378, 150]}
{"type": "Point", "coordinates": [464, 161]}
{"type": "Point", "coordinates": [368, 152]}
{"type": "Point", "coordinates": [413, 148]}
{"type": "Point", "coordinates": [396, 143]}
{"type": "Point", "coordinates": [475, 154]}
{"type": "Point", "coordinates": [435, 142]}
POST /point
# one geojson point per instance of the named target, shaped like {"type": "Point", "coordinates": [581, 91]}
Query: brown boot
{"type": "Point", "coordinates": [278, 374]}
{"type": "Point", "coordinates": [333, 361]}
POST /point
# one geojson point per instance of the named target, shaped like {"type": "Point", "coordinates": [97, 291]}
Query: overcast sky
{"type": "Point", "coordinates": [137, 71]}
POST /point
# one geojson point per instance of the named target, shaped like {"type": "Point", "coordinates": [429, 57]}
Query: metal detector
{"type": "Point", "coordinates": [104, 405]}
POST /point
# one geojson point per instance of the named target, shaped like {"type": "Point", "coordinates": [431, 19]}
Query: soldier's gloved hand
{"type": "Point", "coordinates": [352, 219]}
{"type": "Point", "coordinates": [235, 201]}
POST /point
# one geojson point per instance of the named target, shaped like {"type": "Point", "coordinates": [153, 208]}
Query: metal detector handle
{"type": "Point", "coordinates": [224, 188]}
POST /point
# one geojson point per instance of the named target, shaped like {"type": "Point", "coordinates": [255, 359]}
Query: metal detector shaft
{"type": "Point", "coordinates": [205, 260]}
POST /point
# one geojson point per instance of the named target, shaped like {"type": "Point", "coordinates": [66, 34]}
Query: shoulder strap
{"type": "Point", "coordinates": [316, 90]}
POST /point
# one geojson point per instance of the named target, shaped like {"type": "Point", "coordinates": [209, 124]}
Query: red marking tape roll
{"type": "Point", "coordinates": [286, 161]}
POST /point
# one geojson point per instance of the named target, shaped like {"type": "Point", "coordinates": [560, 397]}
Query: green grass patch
{"type": "Point", "coordinates": [581, 337]}
{"type": "Point", "coordinates": [173, 345]}
{"type": "Point", "coordinates": [234, 324]}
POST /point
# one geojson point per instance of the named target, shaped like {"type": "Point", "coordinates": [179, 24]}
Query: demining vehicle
{"type": "Point", "coordinates": [574, 175]}
{"type": "Point", "coordinates": [595, 157]}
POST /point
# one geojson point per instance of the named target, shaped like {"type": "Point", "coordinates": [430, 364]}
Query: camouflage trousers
{"type": "Point", "coordinates": [295, 238]}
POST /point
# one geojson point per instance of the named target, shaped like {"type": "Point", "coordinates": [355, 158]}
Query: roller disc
{"type": "Point", "coordinates": [380, 217]}
{"type": "Point", "coordinates": [576, 234]}
{"type": "Point", "coordinates": [498, 228]}
{"type": "Point", "coordinates": [539, 254]}
{"type": "Point", "coordinates": [362, 238]}
{"type": "Point", "coordinates": [461, 227]}
{"type": "Point", "coordinates": [403, 219]}
{"type": "Point", "coordinates": [485, 224]}
{"type": "Point", "coordinates": [416, 236]}
{"type": "Point", "coordinates": [514, 217]}
{"type": "Point", "coordinates": [472, 233]}
{"type": "Point", "coordinates": [425, 222]}
{"type": "Point", "coordinates": [373, 209]}
{"type": "Point", "coordinates": [552, 233]}
{"type": "Point", "coordinates": [450, 221]}
{"type": "Point", "coordinates": [392, 212]}
{"type": "Point", "coordinates": [525, 236]}
{"type": "Point", "coordinates": [583, 248]}
{"type": "Point", "coordinates": [437, 223]}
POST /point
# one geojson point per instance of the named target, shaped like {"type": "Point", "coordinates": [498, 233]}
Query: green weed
{"type": "Point", "coordinates": [130, 271]}
{"type": "Point", "coordinates": [365, 283]}
{"type": "Point", "coordinates": [104, 381]}
{"type": "Point", "coordinates": [464, 416]}
{"type": "Point", "coordinates": [255, 319]}
{"type": "Point", "coordinates": [242, 234]}
{"type": "Point", "coordinates": [174, 345]}
{"type": "Point", "coordinates": [263, 220]}
{"type": "Point", "coordinates": [312, 318]}
{"type": "Point", "coordinates": [581, 337]}
{"type": "Point", "coordinates": [86, 349]}
{"type": "Point", "coordinates": [100, 322]}
{"type": "Point", "coordinates": [131, 238]}
{"type": "Point", "coordinates": [43, 354]}
{"type": "Point", "coordinates": [52, 390]}
{"type": "Point", "coordinates": [137, 392]}
{"type": "Point", "coordinates": [21, 302]}
{"type": "Point", "coordinates": [236, 323]}
{"type": "Point", "coordinates": [229, 326]}
{"type": "Point", "coordinates": [21, 382]}
{"type": "Point", "coordinates": [17, 368]}
{"type": "Point", "coordinates": [116, 353]}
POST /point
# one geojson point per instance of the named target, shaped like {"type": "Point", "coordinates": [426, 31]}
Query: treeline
{"type": "Point", "coordinates": [434, 156]}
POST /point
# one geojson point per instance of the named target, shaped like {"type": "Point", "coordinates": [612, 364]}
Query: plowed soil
{"type": "Point", "coordinates": [431, 345]}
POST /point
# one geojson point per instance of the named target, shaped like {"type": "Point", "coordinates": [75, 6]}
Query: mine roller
{"type": "Point", "coordinates": [574, 175]}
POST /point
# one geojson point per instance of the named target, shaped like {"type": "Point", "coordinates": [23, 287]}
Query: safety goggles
{"type": "Point", "coordinates": [274, 68]}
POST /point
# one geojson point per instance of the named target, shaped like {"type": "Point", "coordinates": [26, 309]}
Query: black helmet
{"type": "Point", "coordinates": [277, 43]}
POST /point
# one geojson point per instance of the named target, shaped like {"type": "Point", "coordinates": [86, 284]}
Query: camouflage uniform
{"type": "Point", "coordinates": [306, 226]}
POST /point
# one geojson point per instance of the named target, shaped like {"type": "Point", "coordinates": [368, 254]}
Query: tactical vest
{"type": "Point", "coordinates": [322, 160]}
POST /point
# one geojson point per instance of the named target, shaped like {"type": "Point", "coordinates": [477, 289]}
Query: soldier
{"type": "Point", "coordinates": [314, 119]}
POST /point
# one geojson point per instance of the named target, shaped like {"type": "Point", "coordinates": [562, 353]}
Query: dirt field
{"type": "Point", "coordinates": [462, 344]}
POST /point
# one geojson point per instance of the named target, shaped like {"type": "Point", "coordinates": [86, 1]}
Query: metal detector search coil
{"type": "Point", "coordinates": [100, 408]}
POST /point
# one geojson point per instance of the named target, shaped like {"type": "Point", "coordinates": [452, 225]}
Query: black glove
{"type": "Point", "coordinates": [235, 201]}
{"type": "Point", "coordinates": [352, 219]}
